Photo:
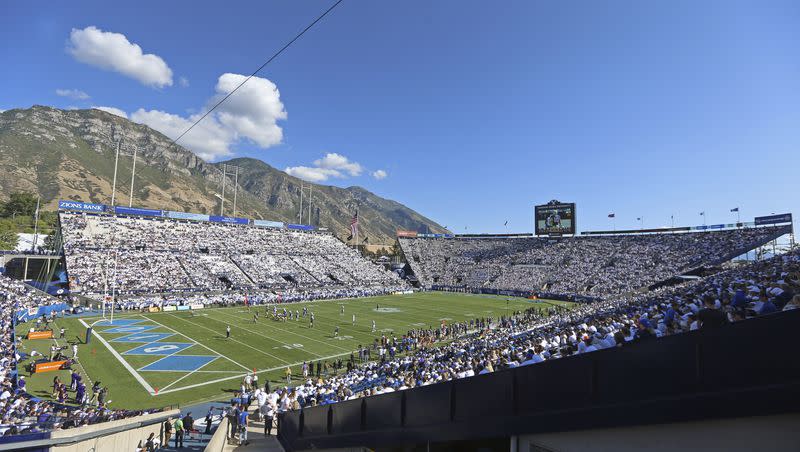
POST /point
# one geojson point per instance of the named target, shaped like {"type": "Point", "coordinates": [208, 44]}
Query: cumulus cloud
{"type": "Point", "coordinates": [72, 94]}
{"type": "Point", "coordinates": [113, 52]}
{"type": "Point", "coordinates": [209, 139]}
{"type": "Point", "coordinates": [249, 114]}
{"type": "Point", "coordinates": [379, 174]}
{"type": "Point", "coordinates": [339, 162]}
{"type": "Point", "coordinates": [331, 165]}
{"type": "Point", "coordinates": [312, 174]}
{"type": "Point", "coordinates": [113, 111]}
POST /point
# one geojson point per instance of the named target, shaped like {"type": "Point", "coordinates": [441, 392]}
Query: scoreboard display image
{"type": "Point", "coordinates": [555, 218]}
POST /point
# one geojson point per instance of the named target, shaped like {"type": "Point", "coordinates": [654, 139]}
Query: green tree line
{"type": "Point", "coordinates": [17, 215]}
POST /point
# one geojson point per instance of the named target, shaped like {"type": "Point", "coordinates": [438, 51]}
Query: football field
{"type": "Point", "coordinates": [184, 357]}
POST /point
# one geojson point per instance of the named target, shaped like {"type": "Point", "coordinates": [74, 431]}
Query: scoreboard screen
{"type": "Point", "coordinates": [555, 218]}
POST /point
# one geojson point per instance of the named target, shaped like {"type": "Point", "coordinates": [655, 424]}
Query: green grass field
{"type": "Point", "coordinates": [173, 358]}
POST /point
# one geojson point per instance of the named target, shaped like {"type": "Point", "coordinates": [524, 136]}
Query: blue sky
{"type": "Point", "coordinates": [476, 111]}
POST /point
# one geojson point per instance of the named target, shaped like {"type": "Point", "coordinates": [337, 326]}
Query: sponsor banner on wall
{"type": "Point", "coordinates": [774, 219]}
{"type": "Point", "coordinates": [82, 206]}
{"type": "Point", "coordinates": [153, 309]}
{"type": "Point", "coordinates": [187, 216]}
{"type": "Point", "coordinates": [197, 306]}
{"type": "Point", "coordinates": [168, 308]}
{"type": "Point", "coordinates": [267, 224]}
{"type": "Point", "coordinates": [302, 227]}
{"type": "Point", "coordinates": [121, 210]}
{"type": "Point", "coordinates": [230, 220]}
{"type": "Point", "coordinates": [183, 308]}
{"type": "Point", "coordinates": [402, 233]}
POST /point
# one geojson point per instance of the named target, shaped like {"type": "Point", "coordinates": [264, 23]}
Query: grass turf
{"type": "Point", "coordinates": [267, 346]}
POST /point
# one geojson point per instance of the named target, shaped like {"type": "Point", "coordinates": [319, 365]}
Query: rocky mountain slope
{"type": "Point", "coordinates": [69, 154]}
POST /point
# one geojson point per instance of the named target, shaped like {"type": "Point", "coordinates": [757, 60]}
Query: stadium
{"type": "Point", "coordinates": [233, 306]}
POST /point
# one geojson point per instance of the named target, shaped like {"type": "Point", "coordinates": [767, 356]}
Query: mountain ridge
{"type": "Point", "coordinates": [69, 154]}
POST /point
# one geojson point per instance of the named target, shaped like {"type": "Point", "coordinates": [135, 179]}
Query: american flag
{"type": "Point", "coordinates": [354, 224]}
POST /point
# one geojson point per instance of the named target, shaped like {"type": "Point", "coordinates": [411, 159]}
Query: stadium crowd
{"type": "Point", "coordinates": [133, 255]}
{"type": "Point", "coordinates": [593, 265]}
{"type": "Point", "coordinates": [21, 412]}
{"type": "Point", "coordinates": [526, 338]}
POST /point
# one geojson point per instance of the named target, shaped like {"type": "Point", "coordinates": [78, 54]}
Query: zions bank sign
{"type": "Point", "coordinates": [82, 206]}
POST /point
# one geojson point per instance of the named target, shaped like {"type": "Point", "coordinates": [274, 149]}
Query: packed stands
{"type": "Point", "coordinates": [526, 338]}
{"type": "Point", "coordinates": [594, 266]}
{"type": "Point", "coordinates": [147, 256]}
{"type": "Point", "coordinates": [22, 413]}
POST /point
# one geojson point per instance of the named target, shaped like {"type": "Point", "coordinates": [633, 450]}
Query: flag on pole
{"type": "Point", "coordinates": [638, 218]}
{"type": "Point", "coordinates": [735, 209]}
{"type": "Point", "coordinates": [506, 223]}
{"type": "Point", "coordinates": [611, 215]}
{"type": "Point", "coordinates": [703, 213]}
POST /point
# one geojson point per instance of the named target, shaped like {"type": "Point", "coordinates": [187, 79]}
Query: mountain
{"type": "Point", "coordinates": [69, 154]}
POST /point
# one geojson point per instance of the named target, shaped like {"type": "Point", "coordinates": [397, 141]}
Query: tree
{"type": "Point", "coordinates": [20, 204]}
{"type": "Point", "coordinates": [8, 236]}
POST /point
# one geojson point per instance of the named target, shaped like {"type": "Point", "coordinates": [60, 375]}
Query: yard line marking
{"type": "Point", "coordinates": [204, 346]}
{"type": "Point", "coordinates": [279, 329]}
{"type": "Point", "coordinates": [232, 339]}
{"type": "Point", "coordinates": [219, 380]}
{"type": "Point", "coordinates": [119, 357]}
{"type": "Point", "coordinates": [190, 373]}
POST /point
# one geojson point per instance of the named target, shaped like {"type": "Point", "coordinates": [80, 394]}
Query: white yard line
{"type": "Point", "coordinates": [197, 385]}
{"type": "Point", "coordinates": [231, 339]}
{"type": "Point", "coordinates": [279, 329]}
{"type": "Point", "coordinates": [190, 373]}
{"type": "Point", "coordinates": [197, 343]}
{"type": "Point", "coordinates": [119, 357]}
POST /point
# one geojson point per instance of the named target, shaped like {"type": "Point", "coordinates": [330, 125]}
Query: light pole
{"type": "Point", "coordinates": [133, 175]}
{"type": "Point", "coordinates": [114, 183]}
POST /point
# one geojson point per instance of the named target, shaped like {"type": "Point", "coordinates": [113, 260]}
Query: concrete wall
{"type": "Point", "coordinates": [220, 438]}
{"type": "Point", "coordinates": [772, 433]}
{"type": "Point", "coordinates": [122, 441]}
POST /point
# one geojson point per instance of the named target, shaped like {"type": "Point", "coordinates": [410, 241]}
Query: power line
{"type": "Point", "coordinates": [275, 55]}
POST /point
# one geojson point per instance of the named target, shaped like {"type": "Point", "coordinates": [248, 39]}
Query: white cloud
{"type": "Point", "coordinates": [113, 52]}
{"type": "Point", "coordinates": [113, 111]}
{"type": "Point", "coordinates": [249, 114]}
{"type": "Point", "coordinates": [72, 94]}
{"type": "Point", "coordinates": [379, 174]}
{"type": "Point", "coordinates": [209, 139]}
{"type": "Point", "coordinates": [331, 165]}
{"type": "Point", "coordinates": [252, 112]}
{"type": "Point", "coordinates": [312, 174]}
{"type": "Point", "coordinates": [184, 82]}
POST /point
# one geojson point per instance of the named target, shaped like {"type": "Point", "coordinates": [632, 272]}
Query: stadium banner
{"type": "Point", "coordinates": [197, 306]}
{"type": "Point", "coordinates": [710, 226]}
{"type": "Point", "coordinates": [153, 309]}
{"type": "Point", "coordinates": [638, 231]}
{"type": "Point", "coordinates": [267, 224]}
{"type": "Point", "coordinates": [168, 308]}
{"type": "Point", "coordinates": [302, 227]}
{"type": "Point", "coordinates": [187, 216]}
{"type": "Point", "coordinates": [120, 210]}
{"type": "Point", "coordinates": [183, 308]}
{"type": "Point", "coordinates": [82, 206]}
{"type": "Point", "coordinates": [774, 219]}
{"type": "Point", "coordinates": [48, 366]}
{"type": "Point", "coordinates": [402, 233]}
{"type": "Point", "coordinates": [229, 220]}
{"type": "Point", "coordinates": [40, 334]}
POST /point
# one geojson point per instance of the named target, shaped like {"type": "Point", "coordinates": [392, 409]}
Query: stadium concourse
{"type": "Point", "coordinates": [152, 263]}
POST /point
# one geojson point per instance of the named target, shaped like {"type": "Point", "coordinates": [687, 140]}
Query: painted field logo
{"type": "Point", "coordinates": [387, 310]}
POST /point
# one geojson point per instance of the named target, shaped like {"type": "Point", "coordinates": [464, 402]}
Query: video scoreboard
{"type": "Point", "coordinates": [555, 218]}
